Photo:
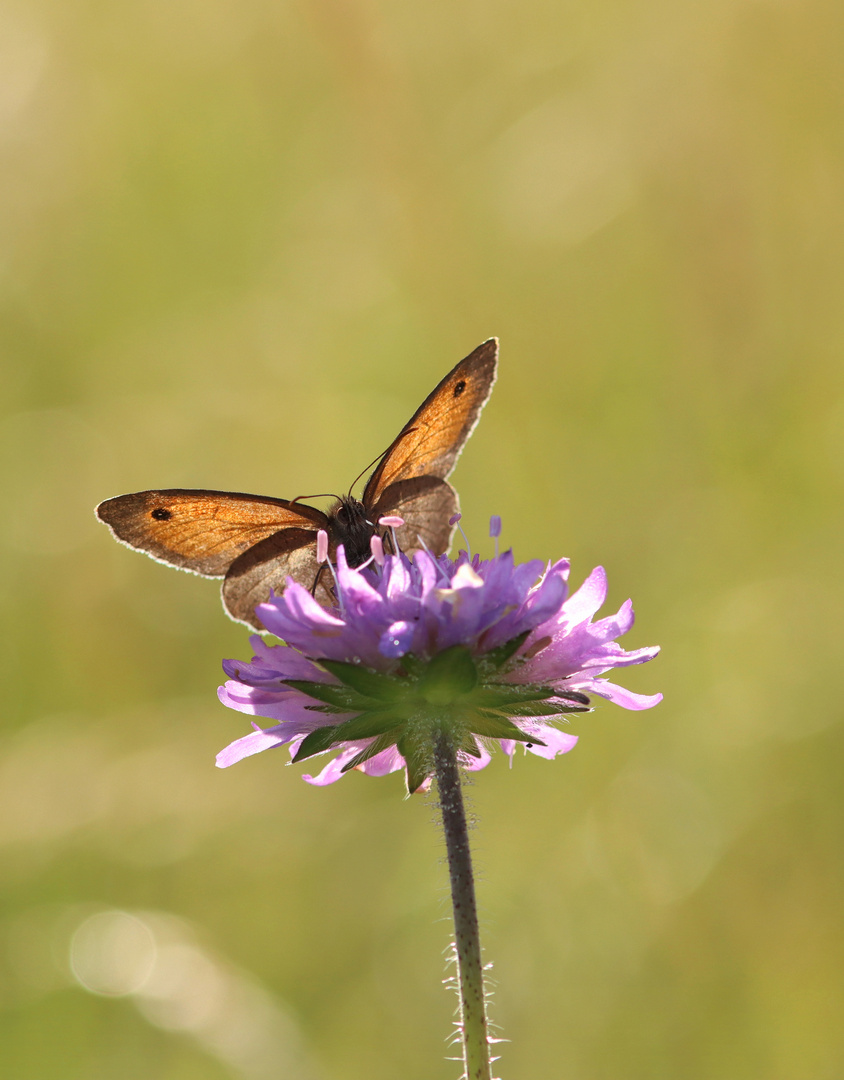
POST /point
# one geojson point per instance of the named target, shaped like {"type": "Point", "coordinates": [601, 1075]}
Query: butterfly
{"type": "Point", "coordinates": [256, 542]}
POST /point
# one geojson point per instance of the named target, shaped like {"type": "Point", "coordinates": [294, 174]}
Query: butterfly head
{"type": "Point", "coordinates": [351, 527]}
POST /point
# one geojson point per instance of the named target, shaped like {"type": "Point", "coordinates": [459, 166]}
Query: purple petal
{"type": "Point", "coordinates": [333, 771]}
{"type": "Point", "coordinates": [614, 625]}
{"type": "Point", "coordinates": [253, 744]}
{"type": "Point", "coordinates": [388, 761]}
{"type": "Point", "coordinates": [360, 599]}
{"type": "Point", "coordinates": [618, 695]}
{"type": "Point", "coordinates": [397, 639]}
{"type": "Point", "coordinates": [296, 617]}
{"type": "Point", "coordinates": [288, 706]}
{"type": "Point", "coordinates": [428, 571]}
{"type": "Point", "coordinates": [528, 611]}
{"type": "Point", "coordinates": [583, 603]}
{"type": "Point", "coordinates": [561, 567]}
{"type": "Point", "coordinates": [475, 764]}
{"type": "Point", "coordinates": [613, 656]}
{"type": "Point", "coordinates": [397, 580]}
{"type": "Point", "coordinates": [271, 664]}
{"type": "Point", "coordinates": [556, 742]}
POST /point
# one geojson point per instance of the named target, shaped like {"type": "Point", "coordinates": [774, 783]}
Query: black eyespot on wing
{"type": "Point", "coordinates": [161, 514]}
{"type": "Point", "coordinates": [459, 387]}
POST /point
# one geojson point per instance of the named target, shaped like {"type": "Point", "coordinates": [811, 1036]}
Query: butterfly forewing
{"type": "Point", "coordinates": [202, 531]}
{"type": "Point", "coordinates": [430, 442]}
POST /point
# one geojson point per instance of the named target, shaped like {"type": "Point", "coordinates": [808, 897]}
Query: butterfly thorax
{"type": "Point", "coordinates": [351, 528]}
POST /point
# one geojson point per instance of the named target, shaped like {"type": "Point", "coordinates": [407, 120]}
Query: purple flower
{"type": "Point", "coordinates": [495, 651]}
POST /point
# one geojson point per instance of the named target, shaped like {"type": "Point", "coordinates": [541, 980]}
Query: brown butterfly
{"type": "Point", "coordinates": [256, 542]}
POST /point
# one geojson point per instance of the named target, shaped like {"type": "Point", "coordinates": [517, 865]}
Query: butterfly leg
{"type": "Point", "coordinates": [328, 586]}
{"type": "Point", "coordinates": [387, 540]}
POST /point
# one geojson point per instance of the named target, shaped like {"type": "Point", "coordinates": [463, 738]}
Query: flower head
{"type": "Point", "coordinates": [492, 651]}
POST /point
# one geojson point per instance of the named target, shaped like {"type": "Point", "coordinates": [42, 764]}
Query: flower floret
{"type": "Point", "coordinates": [489, 651]}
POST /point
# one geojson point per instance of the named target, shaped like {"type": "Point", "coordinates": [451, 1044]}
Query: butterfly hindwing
{"type": "Point", "coordinates": [426, 504]}
{"type": "Point", "coordinates": [266, 566]}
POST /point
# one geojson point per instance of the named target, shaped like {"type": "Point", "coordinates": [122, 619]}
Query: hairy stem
{"type": "Point", "coordinates": [467, 938]}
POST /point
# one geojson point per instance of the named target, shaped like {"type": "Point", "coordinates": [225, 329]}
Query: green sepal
{"type": "Point", "coordinates": [372, 684]}
{"type": "Point", "coordinates": [369, 724]}
{"type": "Point", "coordinates": [413, 665]}
{"type": "Point", "coordinates": [575, 695]}
{"type": "Point", "coordinates": [490, 725]}
{"type": "Point", "coordinates": [316, 742]}
{"type": "Point", "coordinates": [372, 724]}
{"type": "Point", "coordinates": [469, 746]}
{"type": "Point", "coordinates": [448, 676]}
{"type": "Point", "coordinates": [418, 763]}
{"type": "Point", "coordinates": [497, 658]}
{"type": "Point", "coordinates": [328, 710]}
{"type": "Point", "coordinates": [341, 697]}
{"type": "Point", "coordinates": [544, 708]}
{"type": "Point", "coordinates": [505, 695]}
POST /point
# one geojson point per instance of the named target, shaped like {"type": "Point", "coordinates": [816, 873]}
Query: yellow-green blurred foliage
{"type": "Point", "coordinates": [240, 242]}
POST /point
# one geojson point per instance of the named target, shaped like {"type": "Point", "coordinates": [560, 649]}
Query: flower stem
{"type": "Point", "coordinates": [467, 938]}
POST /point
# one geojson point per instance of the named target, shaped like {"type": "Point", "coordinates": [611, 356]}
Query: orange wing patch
{"type": "Point", "coordinates": [431, 441]}
{"type": "Point", "coordinates": [201, 531]}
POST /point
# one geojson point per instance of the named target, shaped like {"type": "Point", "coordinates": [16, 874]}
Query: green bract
{"type": "Point", "coordinates": [452, 693]}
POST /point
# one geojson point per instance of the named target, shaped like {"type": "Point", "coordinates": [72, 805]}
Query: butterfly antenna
{"type": "Point", "coordinates": [374, 462]}
{"type": "Point", "coordinates": [368, 467]}
{"type": "Point", "coordinates": [322, 495]}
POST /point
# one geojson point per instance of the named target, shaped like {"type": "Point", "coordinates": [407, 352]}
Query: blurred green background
{"type": "Point", "coordinates": [240, 242]}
